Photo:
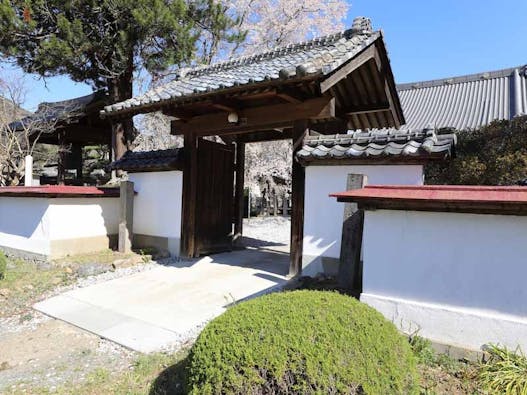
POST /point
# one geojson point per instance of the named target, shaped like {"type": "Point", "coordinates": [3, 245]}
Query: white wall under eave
{"type": "Point", "coordinates": [24, 225]}
{"type": "Point", "coordinates": [76, 218]}
{"type": "Point", "coordinates": [158, 208]}
{"type": "Point", "coordinates": [45, 227]}
{"type": "Point", "coordinates": [323, 215]}
{"type": "Point", "coordinates": [457, 278]}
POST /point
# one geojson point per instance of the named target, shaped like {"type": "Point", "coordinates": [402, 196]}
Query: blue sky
{"type": "Point", "coordinates": [426, 39]}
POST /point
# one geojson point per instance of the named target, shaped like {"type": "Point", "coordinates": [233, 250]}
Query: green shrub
{"type": "Point", "coordinates": [495, 154]}
{"type": "Point", "coordinates": [301, 342]}
{"type": "Point", "coordinates": [505, 372]}
{"type": "Point", "coordinates": [3, 265]}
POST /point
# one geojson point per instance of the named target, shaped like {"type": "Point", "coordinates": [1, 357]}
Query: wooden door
{"type": "Point", "coordinates": [215, 194]}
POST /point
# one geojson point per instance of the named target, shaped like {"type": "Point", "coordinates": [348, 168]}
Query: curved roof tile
{"type": "Point", "coordinates": [389, 143]}
{"type": "Point", "coordinates": [321, 55]}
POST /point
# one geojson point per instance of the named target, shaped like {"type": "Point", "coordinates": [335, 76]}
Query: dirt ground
{"type": "Point", "coordinates": [54, 353]}
{"type": "Point", "coordinates": [38, 352]}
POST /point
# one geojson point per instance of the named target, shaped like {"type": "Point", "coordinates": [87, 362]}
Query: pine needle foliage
{"type": "Point", "coordinates": [106, 42]}
{"type": "Point", "coordinates": [301, 342]}
{"type": "Point", "coordinates": [492, 155]}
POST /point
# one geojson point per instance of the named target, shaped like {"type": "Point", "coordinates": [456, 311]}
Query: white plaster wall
{"type": "Point", "coordinates": [24, 224]}
{"type": "Point", "coordinates": [459, 278]}
{"type": "Point", "coordinates": [158, 205]}
{"type": "Point", "coordinates": [30, 224]}
{"type": "Point", "coordinates": [73, 218]}
{"type": "Point", "coordinates": [324, 215]}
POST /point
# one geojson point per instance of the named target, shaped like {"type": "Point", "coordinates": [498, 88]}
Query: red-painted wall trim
{"type": "Point", "coordinates": [56, 191]}
{"type": "Point", "coordinates": [469, 199]}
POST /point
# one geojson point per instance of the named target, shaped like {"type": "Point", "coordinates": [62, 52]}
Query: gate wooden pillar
{"type": "Point", "coordinates": [300, 129]}
{"type": "Point", "coordinates": [239, 191]}
{"type": "Point", "coordinates": [61, 164]}
{"type": "Point", "coordinates": [190, 178]}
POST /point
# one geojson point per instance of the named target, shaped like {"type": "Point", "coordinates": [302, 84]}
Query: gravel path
{"type": "Point", "coordinates": [267, 231]}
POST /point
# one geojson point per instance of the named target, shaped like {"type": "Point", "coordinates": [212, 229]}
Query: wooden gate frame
{"type": "Point", "coordinates": [189, 230]}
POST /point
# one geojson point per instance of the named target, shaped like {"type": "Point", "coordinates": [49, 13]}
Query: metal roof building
{"type": "Point", "coordinates": [465, 102]}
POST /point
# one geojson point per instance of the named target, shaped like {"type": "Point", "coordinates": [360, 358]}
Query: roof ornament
{"type": "Point", "coordinates": [430, 130]}
{"type": "Point", "coordinates": [182, 72]}
{"type": "Point", "coordinates": [361, 25]}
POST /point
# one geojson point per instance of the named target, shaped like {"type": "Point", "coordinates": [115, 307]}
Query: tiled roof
{"type": "Point", "coordinates": [144, 161]}
{"type": "Point", "coordinates": [318, 56]}
{"type": "Point", "coordinates": [378, 143]}
{"type": "Point", "coordinates": [66, 110]}
{"type": "Point", "coordinates": [465, 102]}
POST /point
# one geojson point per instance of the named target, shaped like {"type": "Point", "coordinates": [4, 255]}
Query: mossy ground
{"type": "Point", "coordinates": [24, 282]}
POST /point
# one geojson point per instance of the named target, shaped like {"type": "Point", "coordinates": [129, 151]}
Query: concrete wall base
{"type": "Point", "coordinates": [170, 244]}
{"type": "Point", "coordinates": [82, 245]}
{"type": "Point", "coordinates": [463, 328]}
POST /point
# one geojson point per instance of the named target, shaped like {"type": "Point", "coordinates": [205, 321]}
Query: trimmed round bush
{"type": "Point", "coordinates": [301, 342]}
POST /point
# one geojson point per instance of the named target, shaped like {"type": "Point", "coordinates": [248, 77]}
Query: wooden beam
{"type": "Point", "coordinates": [368, 109]}
{"type": "Point", "coordinates": [228, 105]}
{"type": "Point", "coordinates": [190, 174]}
{"type": "Point", "coordinates": [395, 117]}
{"type": "Point", "coordinates": [76, 158]}
{"type": "Point", "coordinates": [61, 163]}
{"type": "Point", "coordinates": [300, 130]}
{"type": "Point", "coordinates": [239, 191]}
{"type": "Point", "coordinates": [348, 68]}
{"type": "Point", "coordinates": [330, 127]}
{"type": "Point", "coordinates": [290, 96]}
{"type": "Point", "coordinates": [264, 135]}
{"type": "Point", "coordinates": [258, 118]}
{"type": "Point", "coordinates": [256, 95]}
{"type": "Point", "coordinates": [179, 113]}
{"type": "Point", "coordinates": [387, 91]}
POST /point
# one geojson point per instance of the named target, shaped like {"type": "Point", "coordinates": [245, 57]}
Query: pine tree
{"type": "Point", "coordinates": [103, 42]}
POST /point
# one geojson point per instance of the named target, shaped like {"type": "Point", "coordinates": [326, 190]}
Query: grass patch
{"type": "Point", "coordinates": [23, 284]}
{"type": "Point", "coordinates": [105, 256]}
{"type": "Point", "coordinates": [153, 374]}
{"type": "Point", "coordinates": [3, 265]}
{"type": "Point", "coordinates": [505, 372]}
{"type": "Point", "coordinates": [442, 374]}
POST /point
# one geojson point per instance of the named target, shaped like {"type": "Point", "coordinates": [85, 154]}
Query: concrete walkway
{"type": "Point", "coordinates": [150, 310]}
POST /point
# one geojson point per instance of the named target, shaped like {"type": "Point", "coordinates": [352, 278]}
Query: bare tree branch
{"type": "Point", "coordinates": [19, 132]}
